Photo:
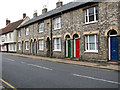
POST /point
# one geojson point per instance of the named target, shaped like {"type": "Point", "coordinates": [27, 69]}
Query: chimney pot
{"type": "Point", "coordinates": [24, 15]}
{"type": "Point", "coordinates": [35, 14]}
{"type": "Point", "coordinates": [59, 3]}
{"type": "Point", "coordinates": [7, 22]}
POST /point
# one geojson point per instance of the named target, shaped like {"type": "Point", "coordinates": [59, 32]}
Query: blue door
{"type": "Point", "coordinates": [114, 48]}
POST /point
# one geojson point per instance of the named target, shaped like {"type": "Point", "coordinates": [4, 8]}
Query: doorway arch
{"type": "Point", "coordinates": [113, 43]}
{"type": "Point", "coordinates": [48, 46]}
{"type": "Point", "coordinates": [31, 46]}
{"type": "Point", "coordinates": [23, 49]}
{"type": "Point", "coordinates": [68, 46]}
{"type": "Point", "coordinates": [35, 47]}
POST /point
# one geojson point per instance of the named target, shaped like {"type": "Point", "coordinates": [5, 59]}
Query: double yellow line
{"type": "Point", "coordinates": [8, 84]}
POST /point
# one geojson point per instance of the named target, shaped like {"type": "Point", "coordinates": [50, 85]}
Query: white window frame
{"type": "Point", "coordinates": [41, 44]}
{"type": "Point", "coordinates": [27, 44]}
{"type": "Point", "coordinates": [57, 23]}
{"type": "Point", "coordinates": [95, 18]}
{"type": "Point", "coordinates": [56, 44]}
{"type": "Point", "coordinates": [19, 46]}
{"type": "Point", "coordinates": [96, 44]}
{"type": "Point", "coordinates": [27, 31]}
{"type": "Point", "coordinates": [19, 33]}
{"type": "Point", "coordinates": [9, 35]}
{"type": "Point", "coordinates": [5, 37]}
{"type": "Point", "coordinates": [41, 27]}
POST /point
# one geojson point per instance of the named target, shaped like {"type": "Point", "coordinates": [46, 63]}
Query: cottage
{"type": "Point", "coordinates": [8, 35]}
{"type": "Point", "coordinates": [84, 31]}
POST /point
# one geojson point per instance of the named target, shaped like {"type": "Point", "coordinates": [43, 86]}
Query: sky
{"type": "Point", "coordinates": [13, 9]}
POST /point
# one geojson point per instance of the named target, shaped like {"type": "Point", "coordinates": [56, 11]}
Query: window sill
{"type": "Point", "coordinates": [57, 50]}
{"type": "Point", "coordinates": [41, 49]}
{"type": "Point", "coordinates": [56, 29]}
{"type": "Point", "coordinates": [41, 32]}
{"type": "Point", "coordinates": [90, 51]}
{"type": "Point", "coordinates": [86, 23]}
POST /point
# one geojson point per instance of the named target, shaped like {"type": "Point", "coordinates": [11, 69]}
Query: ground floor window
{"type": "Point", "coordinates": [27, 44]}
{"type": "Point", "coordinates": [12, 47]}
{"type": "Point", "coordinates": [19, 46]}
{"type": "Point", "coordinates": [57, 44]}
{"type": "Point", "coordinates": [41, 44]}
{"type": "Point", "coordinates": [91, 43]}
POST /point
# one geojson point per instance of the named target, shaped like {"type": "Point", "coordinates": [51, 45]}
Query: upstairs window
{"type": "Point", "coordinates": [91, 15]}
{"type": "Point", "coordinates": [9, 36]}
{"type": "Point", "coordinates": [5, 37]}
{"type": "Point", "coordinates": [41, 27]}
{"type": "Point", "coordinates": [27, 31]}
{"type": "Point", "coordinates": [19, 33]}
{"type": "Point", "coordinates": [57, 23]}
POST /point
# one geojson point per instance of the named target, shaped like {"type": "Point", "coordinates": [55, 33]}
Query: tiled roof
{"type": "Point", "coordinates": [55, 11]}
{"type": "Point", "coordinates": [11, 27]}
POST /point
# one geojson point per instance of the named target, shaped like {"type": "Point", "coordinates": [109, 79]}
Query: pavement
{"type": "Point", "coordinates": [66, 61]}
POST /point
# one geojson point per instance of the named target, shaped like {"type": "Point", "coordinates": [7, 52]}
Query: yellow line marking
{"type": "Point", "coordinates": [8, 84]}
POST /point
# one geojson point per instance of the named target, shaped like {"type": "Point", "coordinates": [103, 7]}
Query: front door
{"type": "Point", "coordinates": [31, 47]}
{"type": "Point", "coordinates": [68, 48]}
{"type": "Point", "coordinates": [76, 48]}
{"type": "Point", "coordinates": [35, 48]}
{"type": "Point", "coordinates": [114, 48]}
{"type": "Point", "coordinates": [22, 47]}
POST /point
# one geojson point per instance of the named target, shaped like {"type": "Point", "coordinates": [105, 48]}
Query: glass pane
{"type": "Point", "coordinates": [92, 38]}
{"type": "Point", "coordinates": [91, 18]}
{"type": "Point", "coordinates": [91, 11]}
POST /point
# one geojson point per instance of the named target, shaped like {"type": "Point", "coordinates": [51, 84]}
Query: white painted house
{"type": "Point", "coordinates": [8, 35]}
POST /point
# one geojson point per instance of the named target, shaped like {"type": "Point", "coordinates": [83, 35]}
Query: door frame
{"type": "Point", "coordinates": [109, 43]}
{"type": "Point", "coordinates": [75, 47]}
{"type": "Point", "coordinates": [67, 53]}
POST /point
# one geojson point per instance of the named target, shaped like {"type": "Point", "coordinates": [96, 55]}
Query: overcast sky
{"type": "Point", "coordinates": [14, 9]}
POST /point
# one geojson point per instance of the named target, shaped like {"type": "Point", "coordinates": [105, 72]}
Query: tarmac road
{"type": "Point", "coordinates": [24, 72]}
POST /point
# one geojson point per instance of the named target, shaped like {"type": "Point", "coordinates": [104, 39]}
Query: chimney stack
{"type": "Point", "coordinates": [7, 22]}
{"type": "Point", "coordinates": [44, 10]}
{"type": "Point", "coordinates": [24, 15]}
{"type": "Point", "coordinates": [59, 3]}
{"type": "Point", "coordinates": [35, 14]}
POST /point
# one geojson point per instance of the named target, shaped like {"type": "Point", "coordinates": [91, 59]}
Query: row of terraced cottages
{"type": "Point", "coordinates": [84, 31]}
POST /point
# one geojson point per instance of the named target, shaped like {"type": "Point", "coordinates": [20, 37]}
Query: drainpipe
{"type": "Point", "coordinates": [51, 51]}
{"type": "Point", "coordinates": [80, 51]}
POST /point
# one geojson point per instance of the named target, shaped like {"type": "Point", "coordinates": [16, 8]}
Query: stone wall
{"type": "Point", "coordinates": [73, 22]}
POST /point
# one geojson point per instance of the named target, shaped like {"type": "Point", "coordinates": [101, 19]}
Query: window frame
{"type": "Point", "coordinates": [41, 27]}
{"type": "Point", "coordinates": [9, 35]}
{"type": "Point", "coordinates": [19, 33]}
{"type": "Point", "coordinates": [27, 31]}
{"type": "Point", "coordinates": [56, 44]}
{"type": "Point", "coordinates": [19, 46]}
{"type": "Point", "coordinates": [95, 42]}
{"type": "Point", "coordinates": [57, 23]}
{"type": "Point", "coordinates": [41, 44]}
{"type": "Point", "coordinates": [27, 45]}
{"type": "Point", "coordinates": [87, 16]}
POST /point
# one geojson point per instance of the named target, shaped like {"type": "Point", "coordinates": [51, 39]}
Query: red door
{"type": "Point", "coordinates": [77, 48]}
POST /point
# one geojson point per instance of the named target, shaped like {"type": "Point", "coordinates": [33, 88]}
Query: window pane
{"type": "Point", "coordinates": [92, 42]}
{"type": "Point", "coordinates": [91, 11]}
{"type": "Point", "coordinates": [91, 18]}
